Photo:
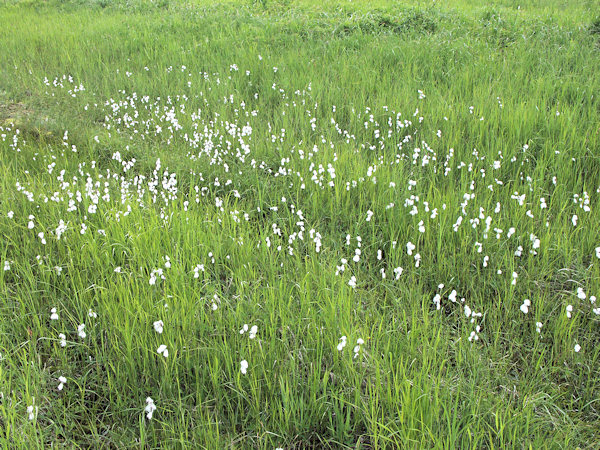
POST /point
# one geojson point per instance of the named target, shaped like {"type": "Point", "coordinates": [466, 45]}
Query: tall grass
{"type": "Point", "coordinates": [353, 111]}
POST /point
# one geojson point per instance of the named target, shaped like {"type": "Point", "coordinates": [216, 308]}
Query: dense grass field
{"type": "Point", "coordinates": [300, 224]}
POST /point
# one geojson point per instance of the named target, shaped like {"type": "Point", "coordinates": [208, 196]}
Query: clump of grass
{"type": "Point", "coordinates": [594, 27]}
{"type": "Point", "coordinates": [498, 29]}
{"type": "Point", "coordinates": [413, 21]}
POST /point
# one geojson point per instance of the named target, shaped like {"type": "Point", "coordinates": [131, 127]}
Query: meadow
{"type": "Point", "coordinates": [300, 224]}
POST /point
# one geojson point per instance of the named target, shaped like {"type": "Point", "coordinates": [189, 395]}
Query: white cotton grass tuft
{"type": "Point", "coordinates": [398, 272]}
{"type": "Point", "coordinates": [474, 336]}
{"type": "Point", "coordinates": [569, 310]}
{"type": "Point", "coordinates": [525, 306]}
{"type": "Point", "coordinates": [243, 366]}
{"type": "Point", "coordinates": [357, 347]}
{"type": "Point", "coordinates": [253, 332]}
{"type": "Point", "coordinates": [150, 408]}
{"type": "Point", "coordinates": [162, 349]}
{"type": "Point", "coordinates": [342, 343]}
{"type": "Point", "coordinates": [32, 411]}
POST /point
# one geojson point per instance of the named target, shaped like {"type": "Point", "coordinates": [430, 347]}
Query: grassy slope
{"type": "Point", "coordinates": [419, 381]}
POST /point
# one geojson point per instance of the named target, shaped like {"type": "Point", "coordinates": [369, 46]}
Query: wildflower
{"type": "Point", "coordinates": [92, 314]}
{"type": "Point", "coordinates": [158, 326]}
{"type": "Point", "coordinates": [53, 315]}
{"type": "Point", "coordinates": [525, 306]}
{"type": "Point", "coordinates": [243, 366]}
{"type": "Point", "coordinates": [63, 340]}
{"type": "Point", "coordinates": [80, 331]}
{"type": "Point", "coordinates": [581, 294]}
{"type": "Point", "coordinates": [538, 327]}
{"type": "Point", "coordinates": [62, 383]}
{"type": "Point", "coordinates": [569, 311]}
{"type": "Point", "coordinates": [577, 348]}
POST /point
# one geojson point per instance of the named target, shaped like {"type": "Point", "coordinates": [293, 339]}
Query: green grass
{"type": "Point", "coordinates": [510, 102]}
